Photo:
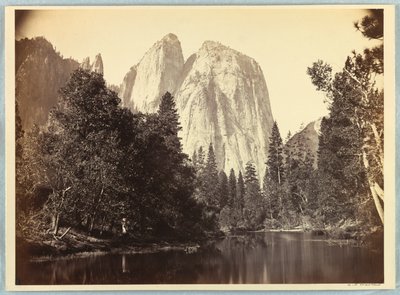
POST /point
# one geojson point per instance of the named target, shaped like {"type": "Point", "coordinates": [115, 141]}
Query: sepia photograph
{"type": "Point", "coordinates": [200, 147]}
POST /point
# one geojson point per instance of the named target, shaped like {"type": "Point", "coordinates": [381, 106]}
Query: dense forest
{"type": "Point", "coordinates": [102, 169]}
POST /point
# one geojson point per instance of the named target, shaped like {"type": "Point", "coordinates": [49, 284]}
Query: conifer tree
{"type": "Point", "coordinates": [170, 126]}
{"type": "Point", "coordinates": [277, 186]}
{"type": "Point", "coordinates": [207, 191]}
{"type": "Point", "coordinates": [299, 170]}
{"type": "Point", "coordinates": [232, 200]}
{"type": "Point", "coordinates": [223, 189]}
{"type": "Point", "coordinates": [194, 159]}
{"type": "Point", "coordinates": [371, 26]}
{"type": "Point", "coordinates": [267, 195]}
{"type": "Point", "coordinates": [354, 132]}
{"type": "Point", "coordinates": [200, 157]}
{"type": "Point", "coordinates": [211, 180]}
{"type": "Point", "coordinates": [200, 175]}
{"type": "Point", "coordinates": [240, 192]}
{"type": "Point", "coordinates": [275, 156]}
{"type": "Point", "coordinates": [176, 172]}
{"type": "Point", "coordinates": [253, 205]}
{"type": "Point", "coordinates": [288, 137]}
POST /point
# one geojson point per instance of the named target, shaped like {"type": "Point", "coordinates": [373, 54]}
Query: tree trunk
{"type": "Point", "coordinates": [279, 176]}
{"type": "Point", "coordinates": [378, 143]}
{"type": "Point", "coordinates": [55, 223]}
{"type": "Point", "coordinates": [102, 226]}
{"type": "Point", "coordinates": [91, 223]}
{"type": "Point", "coordinates": [63, 235]}
{"type": "Point", "coordinates": [374, 193]}
{"type": "Point", "coordinates": [379, 190]}
{"type": "Point", "coordinates": [270, 209]}
{"type": "Point", "coordinates": [377, 203]}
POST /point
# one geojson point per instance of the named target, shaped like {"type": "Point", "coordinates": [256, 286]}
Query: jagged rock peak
{"type": "Point", "coordinates": [156, 73]}
{"type": "Point", "coordinates": [97, 65]}
{"type": "Point", "coordinates": [170, 38]}
{"type": "Point", "coordinates": [85, 64]}
{"type": "Point", "coordinates": [168, 41]}
{"type": "Point", "coordinates": [210, 45]}
{"type": "Point", "coordinates": [221, 56]}
{"type": "Point", "coordinates": [215, 46]}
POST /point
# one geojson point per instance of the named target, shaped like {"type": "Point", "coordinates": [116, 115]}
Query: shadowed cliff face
{"type": "Point", "coordinates": [221, 96]}
{"type": "Point", "coordinates": [39, 73]}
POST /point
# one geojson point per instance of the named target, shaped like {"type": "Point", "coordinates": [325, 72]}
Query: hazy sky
{"type": "Point", "coordinates": [283, 41]}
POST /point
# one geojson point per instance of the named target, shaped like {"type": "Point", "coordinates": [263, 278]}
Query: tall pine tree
{"type": "Point", "coordinates": [240, 193]}
{"type": "Point", "coordinates": [232, 200]}
{"type": "Point", "coordinates": [276, 189]}
{"type": "Point", "coordinates": [275, 156]}
{"type": "Point", "coordinates": [253, 204]}
{"type": "Point", "coordinates": [211, 192]}
{"type": "Point", "coordinates": [223, 189]}
{"type": "Point", "coordinates": [176, 168]}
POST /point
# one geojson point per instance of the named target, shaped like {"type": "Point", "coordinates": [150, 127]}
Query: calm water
{"type": "Point", "coordinates": [253, 258]}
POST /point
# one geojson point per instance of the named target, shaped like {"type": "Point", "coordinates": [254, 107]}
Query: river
{"type": "Point", "coordinates": [256, 258]}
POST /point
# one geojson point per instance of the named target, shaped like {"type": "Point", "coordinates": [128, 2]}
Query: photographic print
{"type": "Point", "coordinates": [207, 147]}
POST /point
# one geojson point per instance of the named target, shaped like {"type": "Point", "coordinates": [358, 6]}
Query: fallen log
{"type": "Point", "coordinates": [63, 235]}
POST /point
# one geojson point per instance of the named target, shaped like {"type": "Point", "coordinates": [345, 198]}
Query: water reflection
{"type": "Point", "coordinates": [124, 266]}
{"type": "Point", "coordinates": [253, 258]}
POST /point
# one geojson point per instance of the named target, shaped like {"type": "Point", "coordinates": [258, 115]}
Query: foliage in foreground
{"type": "Point", "coordinates": [100, 164]}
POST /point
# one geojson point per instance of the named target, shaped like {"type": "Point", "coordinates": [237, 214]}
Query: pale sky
{"type": "Point", "coordinates": [283, 41]}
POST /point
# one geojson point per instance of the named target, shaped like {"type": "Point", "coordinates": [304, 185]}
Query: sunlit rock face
{"type": "Point", "coordinates": [85, 64]}
{"type": "Point", "coordinates": [96, 66]}
{"type": "Point", "coordinates": [125, 89]}
{"type": "Point", "coordinates": [157, 72]}
{"type": "Point", "coordinates": [221, 97]}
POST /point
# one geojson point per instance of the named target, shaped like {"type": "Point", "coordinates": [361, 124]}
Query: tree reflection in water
{"type": "Point", "coordinates": [252, 258]}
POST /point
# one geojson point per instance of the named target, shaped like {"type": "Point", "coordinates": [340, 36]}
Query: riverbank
{"type": "Point", "coordinates": [342, 235]}
{"type": "Point", "coordinates": [45, 246]}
